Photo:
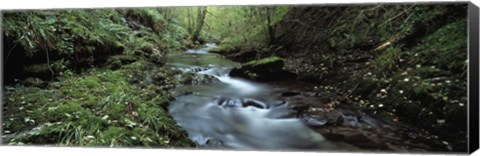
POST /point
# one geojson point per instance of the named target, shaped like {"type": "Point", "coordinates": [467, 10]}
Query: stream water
{"type": "Point", "coordinates": [233, 113]}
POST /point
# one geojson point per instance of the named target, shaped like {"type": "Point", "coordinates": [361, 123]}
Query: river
{"type": "Point", "coordinates": [223, 112]}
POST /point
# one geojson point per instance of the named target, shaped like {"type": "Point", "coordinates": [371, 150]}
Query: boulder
{"type": "Point", "coordinates": [266, 69]}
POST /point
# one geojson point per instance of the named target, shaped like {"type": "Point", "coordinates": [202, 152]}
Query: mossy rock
{"type": "Point", "coordinates": [266, 69]}
{"type": "Point", "coordinates": [224, 48]}
{"type": "Point", "coordinates": [273, 61]}
{"type": "Point", "coordinates": [115, 62]}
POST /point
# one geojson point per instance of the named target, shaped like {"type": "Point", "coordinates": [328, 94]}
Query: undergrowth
{"type": "Point", "coordinates": [98, 108]}
{"type": "Point", "coordinates": [84, 38]}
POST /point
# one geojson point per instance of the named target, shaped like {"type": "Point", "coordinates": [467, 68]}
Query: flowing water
{"type": "Point", "coordinates": [233, 113]}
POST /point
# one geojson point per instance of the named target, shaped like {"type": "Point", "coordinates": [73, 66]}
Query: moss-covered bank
{"type": "Point", "coordinates": [406, 64]}
{"type": "Point", "coordinates": [101, 107]}
{"type": "Point", "coordinates": [44, 43]}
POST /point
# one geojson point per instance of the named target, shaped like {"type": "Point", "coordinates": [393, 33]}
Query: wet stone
{"type": "Point", "coordinates": [312, 121]}
{"type": "Point", "coordinates": [254, 103]}
{"type": "Point", "coordinates": [349, 120]}
{"type": "Point", "coordinates": [301, 108]}
{"type": "Point", "coordinates": [312, 94]}
{"type": "Point", "coordinates": [225, 102]}
{"type": "Point", "coordinates": [230, 102]}
{"type": "Point", "coordinates": [370, 121]}
{"type": "Point", "coordinates": [288, 94]}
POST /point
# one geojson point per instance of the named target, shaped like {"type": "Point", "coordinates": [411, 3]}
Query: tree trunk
{"type": "Point", "coordinates": [269, 13]}
{"type": "Point", "coordinates": [189, 18]}
{"type": "Point", "coordinates": [201, 12]}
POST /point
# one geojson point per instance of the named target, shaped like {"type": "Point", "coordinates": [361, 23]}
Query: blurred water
{"type": "Point", "coordinates": [234, 113]}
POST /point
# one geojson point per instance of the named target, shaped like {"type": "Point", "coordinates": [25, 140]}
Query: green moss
{"type": "Point", "coordinates": [446, 47]}
{"type": "Point", "coordinates": [272, 59]}
{"type": "Point", "coordinates": [38, 68]}
{"type": "Point", "coordinates": [97, 108]}
{"type": "Point", "coordinates": [223, 48]}
{"type": "Point", "coordinates": [117, 61]}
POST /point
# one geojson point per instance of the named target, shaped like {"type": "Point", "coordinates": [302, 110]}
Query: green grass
{"type": "Point", "coordinates": [97, 108]}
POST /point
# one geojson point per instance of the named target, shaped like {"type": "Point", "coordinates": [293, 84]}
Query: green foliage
{"type": "Point", "coordinates": [446, 48]}
{"type": "Point", "coordinates": [158, 33]}
{"type": "Point", "coordinates": [427, 81]}
{"type": "Point", "coordinates": [120, 113]}
{"type": "Point", "coordinates": [403, 63]}
{"type": "Point", "coordinates": [384, 22]}
{"type": "Point", "coordinates": [62, 39]}
{"type": "Point", "coordinates": [234, 26]}
{"type": "Point", "coordinates": [388, 59]}
{"type": "Point", "coordinates": [57, 31]}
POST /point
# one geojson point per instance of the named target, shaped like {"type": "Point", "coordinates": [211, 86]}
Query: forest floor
{"type": "Point", "coordinates": [99, 107]}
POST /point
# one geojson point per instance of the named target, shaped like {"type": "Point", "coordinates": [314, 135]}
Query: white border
{"type": "Point", "coordinates": [73, 151]}
{"type": "Point", "coordinates": [76, 151]}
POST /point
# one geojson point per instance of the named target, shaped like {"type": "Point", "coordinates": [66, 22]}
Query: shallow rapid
{"type": "Point", "coordinates": [232, 113]}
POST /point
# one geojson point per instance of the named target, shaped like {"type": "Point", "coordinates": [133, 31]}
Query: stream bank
{"type": "Point", "coordinates": [231, 112]}
{"type": "Point", "coordinates": [89, 77]}
{"type": "Point", "coordinates": [129, 109]}
{"type": "Point", "coordinates": [108, 77]}
{"type": "Point", "coordinates": [407, 67]}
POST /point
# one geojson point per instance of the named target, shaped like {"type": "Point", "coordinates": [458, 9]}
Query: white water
{"type": "Point", "coordinates": [218, 117]}
{"type": "Point", "coordinates": [243, 87]}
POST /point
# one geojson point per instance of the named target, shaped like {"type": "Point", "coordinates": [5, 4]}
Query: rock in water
{"type": "Point", "coordinates": [266, 69]}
